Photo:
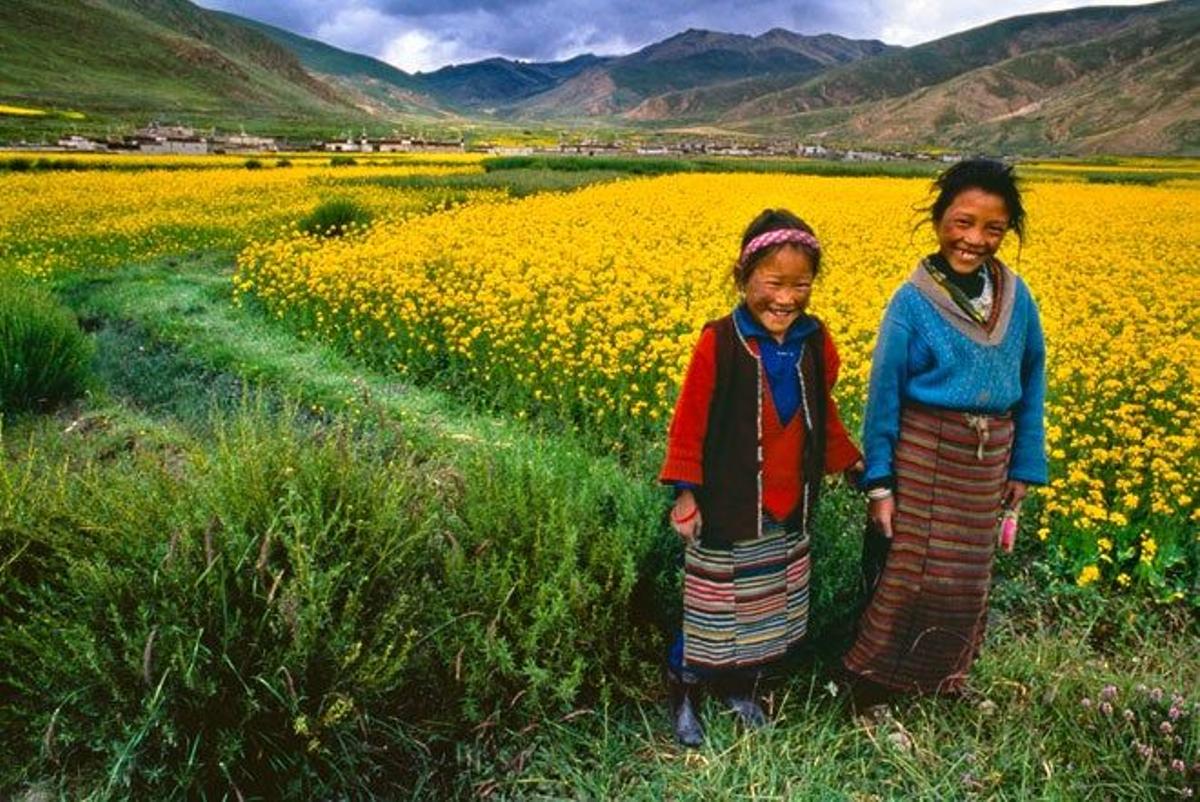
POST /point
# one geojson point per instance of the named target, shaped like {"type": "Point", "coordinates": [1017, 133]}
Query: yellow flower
{"type": "Point", "coordinates": [1149, 549]}
{"type": "Point", "coordinates": [1087, 576]}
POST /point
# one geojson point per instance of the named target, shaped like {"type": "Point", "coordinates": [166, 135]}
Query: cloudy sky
{"type": "Point", "coordinates": [422, 35]}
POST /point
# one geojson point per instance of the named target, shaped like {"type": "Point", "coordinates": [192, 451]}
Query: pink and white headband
{"type": "Point", "coordinates": [777, 237]}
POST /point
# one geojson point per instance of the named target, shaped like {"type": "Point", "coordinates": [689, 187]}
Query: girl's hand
{"type": "Point", "coordinates": [685, 516]}
{"type": "Point", "coordinates": [880, 512]}
{"type": "Point", "coordinates": [1014, 492]}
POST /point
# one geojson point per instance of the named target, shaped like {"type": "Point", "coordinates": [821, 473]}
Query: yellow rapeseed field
{"type": "Point", "coordinates": [97, 218]}
{"type": "Point", "coordinates": [585, 307]}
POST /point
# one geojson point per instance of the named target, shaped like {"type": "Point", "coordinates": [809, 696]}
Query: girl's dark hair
{"type": "Point", "coordinates": [996, 178]}
{"type": "Point", "coordinates": [772, 220]}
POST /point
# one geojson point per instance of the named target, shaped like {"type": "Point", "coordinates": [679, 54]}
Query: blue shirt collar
{"type": "Point", "coordinates": [749, 327]}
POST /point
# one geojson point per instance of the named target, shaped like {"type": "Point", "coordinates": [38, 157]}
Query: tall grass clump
{"type": "Point", "coordinates": [44, 356]}
{"type": "Point", "coordinates": [334, 218]}
{"type": "Point", "coordinates": [290, 609]}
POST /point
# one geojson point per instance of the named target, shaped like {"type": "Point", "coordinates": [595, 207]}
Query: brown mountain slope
{"type": "Point", "coordinates": [1132, 91]}
{"type": "Point", "coordinates": [678, 71]}
{"type": "Point", "coordinates": [899, 73]}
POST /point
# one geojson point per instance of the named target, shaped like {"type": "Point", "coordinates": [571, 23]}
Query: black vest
{"type": "Point", "coordinates": [732, 445]}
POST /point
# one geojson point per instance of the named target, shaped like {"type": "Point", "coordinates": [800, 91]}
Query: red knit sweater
{"type": "Point", "coordinates": [781, 446]}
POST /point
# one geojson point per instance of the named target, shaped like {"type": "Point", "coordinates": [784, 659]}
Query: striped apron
{"type": "Point", "coordinates": [924, 623]}
{"type": "Point", "coordinates": [745, 605]}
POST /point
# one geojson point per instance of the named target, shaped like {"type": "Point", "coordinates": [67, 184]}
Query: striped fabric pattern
{"type": "Point", "coordinates": [746, 605]}
{"type": "Point", "coordinates": [924, 624]}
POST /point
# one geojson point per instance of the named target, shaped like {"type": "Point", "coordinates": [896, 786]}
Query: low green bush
{"type": "Point", "coordinates": [44, 357]}
{"type": "Point", "coordinates": [334, 218]}
{"type": "Point", "coordinates": [290, 609]}
{"type": "Point", "coordinates": [342, 161]}
{"type": "Point", "coordinates": [253, 164]}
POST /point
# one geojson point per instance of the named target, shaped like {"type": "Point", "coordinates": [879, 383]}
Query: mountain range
{"type": "Point", "coordinates": [1090, 80]}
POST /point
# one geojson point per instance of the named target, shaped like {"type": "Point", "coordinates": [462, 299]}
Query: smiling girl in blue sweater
{"type": "Point", "coordinates": [953, 435]}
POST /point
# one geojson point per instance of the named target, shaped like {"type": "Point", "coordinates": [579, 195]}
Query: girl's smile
{"type": "Point", "coordinates": [778, 290]}
{"type": "Point", "coordinates": [971, 229]}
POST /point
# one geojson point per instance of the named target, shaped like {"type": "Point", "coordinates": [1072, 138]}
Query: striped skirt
{"type": "Point", "coordinates": [924, 623]}
{"type": "Point", "coordinates": [746, 605]}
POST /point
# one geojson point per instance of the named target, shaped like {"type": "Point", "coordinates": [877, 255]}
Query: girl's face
{"type": "Point", "coordinates": [777, 291]}
{"type": "Point", "coordinates": [972, 228]}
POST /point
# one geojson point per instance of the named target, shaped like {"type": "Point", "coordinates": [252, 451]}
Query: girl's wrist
{"type": "Point", "coordinates": [682, 519]}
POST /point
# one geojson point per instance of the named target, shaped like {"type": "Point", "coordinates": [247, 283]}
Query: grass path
{"type": "Point", "coordinates": [187, 303]}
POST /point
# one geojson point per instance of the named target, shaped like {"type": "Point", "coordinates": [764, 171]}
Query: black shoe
{"type": "Point", "coordinates": [739, 696]}
{"type": "Point", "coordinates": [686, 721]}
{"type": "Point", "coordinates": [748, 711]}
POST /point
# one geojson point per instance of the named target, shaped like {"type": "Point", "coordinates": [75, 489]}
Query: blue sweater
{"type": "Point", "coordinates": [921, 356]}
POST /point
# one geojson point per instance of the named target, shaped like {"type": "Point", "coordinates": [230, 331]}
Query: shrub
{"type": "Point", "coordinates": [241, 623]}
{"type": "Point", "coordinates": [335, 217]}
{"type": "Point", "coordinates": [253, 164]}
{"type": "Point", "coordinates": [283, 162]}
{"type": "Point", "coordinates": [44, 357]}
{"type": "Point", "coordinates": [342, 161]}
{"type": "Point", "coordinates": [287, 609]}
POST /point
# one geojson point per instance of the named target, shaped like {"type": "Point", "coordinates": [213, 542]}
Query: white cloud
{"type": "Point", "coordinates": [418, 51]}
{"type": "Point", "coordinates": [357, 28]}
{"type": "Point", "coordinates": [911, 22]}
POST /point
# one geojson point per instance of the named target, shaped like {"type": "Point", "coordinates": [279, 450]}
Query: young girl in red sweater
{"type": "Point", "coordinates": [755, 428]}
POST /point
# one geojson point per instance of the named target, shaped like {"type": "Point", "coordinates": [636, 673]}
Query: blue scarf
{"type": "Point", "coordinates": [778, 359]}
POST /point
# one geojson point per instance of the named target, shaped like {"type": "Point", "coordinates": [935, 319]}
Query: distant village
{"type": "Point", "coordinates": [182, 140]}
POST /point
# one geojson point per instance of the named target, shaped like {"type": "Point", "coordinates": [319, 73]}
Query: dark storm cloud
{"type": "Point", "coordinates": [426, 34]}
{"type": "Point", "coordinates": [422, 34]}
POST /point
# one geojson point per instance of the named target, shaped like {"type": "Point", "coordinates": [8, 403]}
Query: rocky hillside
{"type": "Point", "coordinates": [681, 76]}
{"type": "Point", "coordinates": [1094, 80]}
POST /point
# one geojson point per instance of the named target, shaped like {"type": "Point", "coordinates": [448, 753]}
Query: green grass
{"type": "Point", "coordinates": [335, 217]}
{"type": "Point", "coordinates": [44, 357]}
{"type": "Point", "coordinates": [449, 536]}
{"type": "Point", "coordinates": [518, 182]}
{"type": "Point", "coordinates": [1023, 734]}
{"type": "Point", "coordinates": [654, 165]}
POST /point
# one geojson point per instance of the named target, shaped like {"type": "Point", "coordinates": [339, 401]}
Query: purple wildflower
{"type": "Point", "coordinates": [1109, 693]}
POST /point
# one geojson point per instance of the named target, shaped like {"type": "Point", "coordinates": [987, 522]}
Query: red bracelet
{"type": "Point", "coordinates": [687, 517]}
